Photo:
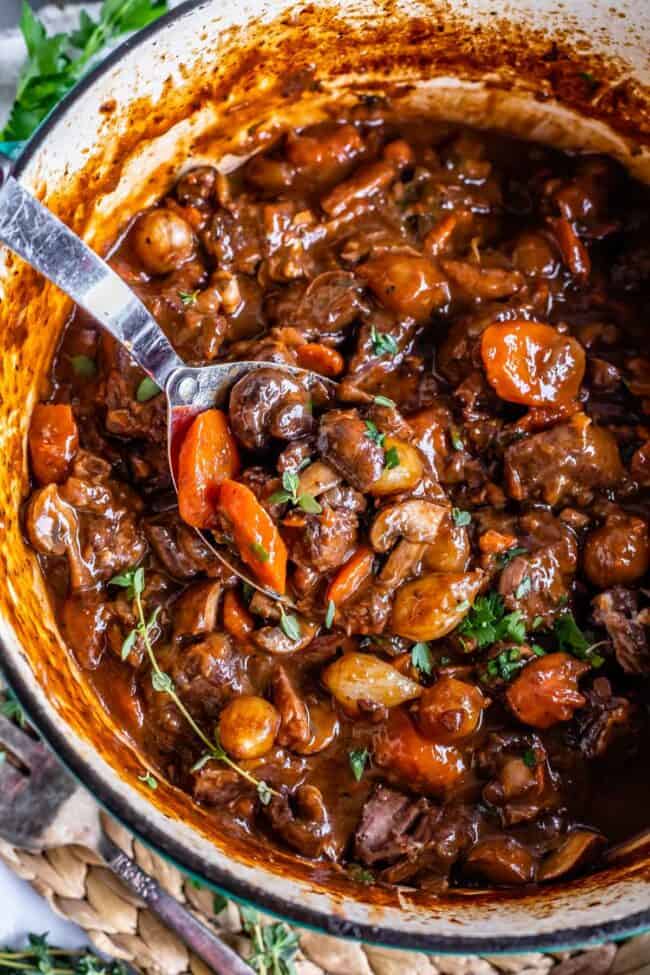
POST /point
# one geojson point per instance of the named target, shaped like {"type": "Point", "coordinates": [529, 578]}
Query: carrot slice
{"type": "Point", "coordinates": [258, 541]}
{"type": "Point", "coordinates": [53, 441]}
{"type": "Point", "coordinates": [208, 456]}
{"type": "Point", "coordinates": [531, 363]}
{"type": "Point", "coordinates": [236, 618]}
{"type": "Point", "coordinates": [351, 575]}
{"type": "Point", "coordinates": [320, 358]}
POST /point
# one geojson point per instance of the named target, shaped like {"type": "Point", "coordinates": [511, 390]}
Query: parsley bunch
{"type": "Point", "coordinates": [487, 622]}
{"type": "Point", "coordinates": [55, 64]}
{"type": "Point", "coordinates": [38, 958]}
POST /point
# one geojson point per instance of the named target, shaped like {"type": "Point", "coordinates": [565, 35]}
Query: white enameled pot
{"type": "Point", "coordinates": [215, 80]}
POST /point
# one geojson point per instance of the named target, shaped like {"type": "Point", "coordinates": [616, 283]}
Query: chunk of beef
{"type": "Point", "coordinates": [343, 439]}
{"type": "Point", "coordinates": [537, 584]}
{"type": "Point", "coordinates": [295, 729]}
{"type": "Point", "coordinates": [327, 540]}
{"type": "Point", "coordinates": [208, 673]}
{"type": "Point", "coordinates": [195, 611]}
{"type": "Point", "coordinates": [617, 610]}
{"type": "Point", "coordinates": [269, 403]}
{"type": "Point", "coordinates": [569, 462]}
{"type": "Point", "coordinates": [521, 786]}
{"type": "Point", "coordinates": [386, 830]}
{"type": "Point", "coordinates": [179, 548]}
{"type": "Point", "coordinates": [605, 721]}
{"type": "Point", "coordinates": [303, 823]}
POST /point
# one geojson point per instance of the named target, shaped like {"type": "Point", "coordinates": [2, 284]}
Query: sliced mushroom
{"type": "Point", "coordinates": [400, 564]}
{"type": "Point", "coordinates": [266, 404]}
{"type": "Point", "coordinates": [273, 639]}
{"type": "Point", "coordinates": [578, 849]}
{"type": "Point", "coordinates": [414, 520]}
{"type": "Point", "coordinates": [502, 860]}
{"type": "Point", "coordinates": [195, 611]}
{"type": "Point", "coordinates": [318, 478]}
{"type": "Point", "coordinates": [53, 529]}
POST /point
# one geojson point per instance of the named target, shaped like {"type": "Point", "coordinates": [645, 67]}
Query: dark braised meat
{"type": "Point", "coordinates": [442, 677]}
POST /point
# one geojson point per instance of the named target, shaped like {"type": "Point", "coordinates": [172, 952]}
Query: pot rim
{"type": "Point", "coordinates": [113, 801]}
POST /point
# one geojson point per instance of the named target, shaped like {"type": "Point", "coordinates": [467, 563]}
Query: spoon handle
{"type": "Point", "coordinates": [31, 231]}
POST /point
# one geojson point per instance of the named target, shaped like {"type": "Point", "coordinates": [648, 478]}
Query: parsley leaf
{"type": "Point", "coordinates": [11, 709]}
{"type": "Point", "coordinates": [503, 558]}
{"type": "Point", "coordinates": [289, 492]}
{"type": "Point", "coordinates": [384, 401]}
{"type": "Point", "coordinates": [460, 517]}
{"type": "Point", "coordinates": [530, 758]}
{"type": "Point", "coordinates": [487, 622]}
{"type": "Point", "coordinates": [421, 657]}
{"type": "Point", "coordinates": [523, 588]}
{"type": "Point", "coordinates": [329, 615]}
{"type": "Point", "coordinates": [54, 64]}
{"type": "Point", "coordinates": [259, 552]}
{"type": "Point", "coordinates": [149, 780]}
{"type": "Point", "coordinates": [83, 366]}
{"type": "Point", "coordinates": [383, 343]}
{"type": "Point", "coordinates": [146, 390]}
{"type": "Point", "coordinates": [188, 298]}
{"type": "Point", "coordinates": [373, 433]}
{"type": "Point", "coordinates": [358, 760]}
{"type": "Point", "coordinates": [391, 458]}
{"type": "Point", "coordinates": [361, 874]}
{"type": "Point", "coordinates": [571, 639]}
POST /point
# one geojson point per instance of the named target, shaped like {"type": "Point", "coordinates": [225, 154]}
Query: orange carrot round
{"type": "Point", "coordinates": [258, 540]}
{"type": "Point", "coordinates": [208, 456]}
{"type": "Point", "coordinates": [236, 619]}
{"type": "Point", "coordinates": [351, 575]}
{"type": "Point", "coordinates": [53, 441]}
{"type": "Point", "coordinates": [531, 363]}
{"type": "Point", "coordinates": [320, 358]}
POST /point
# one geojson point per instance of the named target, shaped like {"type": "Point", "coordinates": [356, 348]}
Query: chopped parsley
{"type": "Point", "coordinates": [384, 401]}
{"type": "Point", "coordinates": [456, 439]}
{"type": "Point", "coordinates": [146, 390]}
{"type": "Point", "coordinates": [505, 664]}
{"type": "Point", "coordinates": [523, 588]}
{"type": "Point", "coordinates": [358, 760]}
{"type": "Point", "coordinates": [188, 298]}
{"type": "Point", "coordinates": [503, 558]}
{"type": "Point", "coordinates": [382, 342]}
{"type": "Point", "coordinates": [391, 458]}
{"type": "Point", "coordinates": [148, 780]}
{"type": "Point", "coordinates": [329, 615]}
{"type": "Point", "coordinates": [259, 552]}
{"type": "Point", "coordinates": [360, 874]}
{"type": "Point", "coordinates": [421, 657]}
{"type": "Point", "coordinates": [83, 366]}
{"type": "Point", "coordinates": [530, 758]}
{"type": "Point", "coordinates": [372, 433]}
{"type": "Point", "coordinates": [571, 639]}
{"type": "Point", "coordinates": [487, 622]}
{"type": "Point", "coordinates": [461, 518]}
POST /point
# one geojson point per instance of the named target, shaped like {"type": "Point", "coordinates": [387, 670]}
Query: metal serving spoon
{"type": "Point", "coordinates": [35, 234]}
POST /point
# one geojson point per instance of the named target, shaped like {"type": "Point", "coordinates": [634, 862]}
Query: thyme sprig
{"type": "Point", "coordinates": [39, 958]}
{"type": "Point", "coordinates": [133, 580]}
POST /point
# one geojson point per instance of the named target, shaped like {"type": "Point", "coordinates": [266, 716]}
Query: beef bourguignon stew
{"type": "Point", "coordinates": [455, 690]}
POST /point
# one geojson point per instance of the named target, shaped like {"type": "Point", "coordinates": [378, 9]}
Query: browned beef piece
{"type": "Point", "coordinates": [195, 610]}
{"type": "Point", "coordinates": [295, 728]}
{"type": "Point", "coordinates": [568, 462]}
{"type": "Point", "coordinates": [302, 821]}
{"type": "Point", "coordinates": [179, 548]}
{"type": "Point", "coordinates": [343, 439]}
{"type": "Point", "coordinates": [215, 785]}
{"type": "Point", "coordinates": [235, 239]}
{"type": "Point", "coordinates": [266, 404]}
{"type": "Point", "coordinates": [327, 540]}
{"type": "Point", "coordinates": [607, 719]}
{"type": "Point", "coordinates": [617, 610]}
{"type": "Point", "coordinates": [196, 187]}
{"type": "Point", "coordinates": [386, 830]}
{"type": "Point", "coordinates": [208, 673]}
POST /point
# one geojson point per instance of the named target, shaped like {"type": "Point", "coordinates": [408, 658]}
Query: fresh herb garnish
{"type": "Point", "coordinates": [219, 903]}
{"type": "Point", "coordinates": [39, 958]}
{"type": "Point", "coordinates": [149, 780]}
{"type": "Point", "coordinates": [391, 458]}
{"type": "Point", "coordinates": [504, 558]}
{"type": "Point", "coordinates": [133, 581]}
{"type": "Point", "coordinates": [83, 366]}
{"type": "Point", "coordinates": [523, 588]}
{"type": "Point", "coordinates": [54, 64]}
{"type": "Point", "coordinates": [11, 709]}
{"type": "Point", "coordinates": [289, 492]}
{"type": "Point", "coordinates": [530, 758]}
{"type": "Point", "coordinates": [460, 517]}
{"type": "Point", "coordinates": [290, 626]}
{"type": "Point", "coordinates": [147, 390]}
{"type": "Point", "coordinates": [571, 639]}
{"type": "Point", "coordinates": [421, 657]}
{"type": "Point", "coordinates": [373, 433]}
{"type": "Point", "coordinates": [505, 664]}
{"type": "Point", "coordinates": [384, 401]}
{"type": "Point", "coordinates": [487, 622]}
{"type": "Point", "coordinates": [382, 342]}
{"type": "Point", "coordinates": [358, 760]}
{"type": "Point", "coordinates": [360, 874]}
{"type": "Point", "coordinates": [456, 439]}
{"type": "Point", "coordinates": [329, 615]}
{"type": "Point", "coordinates": [274, 945]}
{"type": "Point", "coordinates": [259, 552]}
{"type": "Point", "coordinates": [189, 298]}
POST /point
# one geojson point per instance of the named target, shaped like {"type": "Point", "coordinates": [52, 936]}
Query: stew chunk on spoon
{"type": "Point", "coordinates": [441, 676]}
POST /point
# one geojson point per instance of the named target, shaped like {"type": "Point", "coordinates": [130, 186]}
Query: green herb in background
{"type": "Point", "coordinates": [289, 492]}
{"type": "Point", "coordinates": [274, 945]}
{"type": "Point", "coordinates": [39, 958]}
{"type": "Point", "coordinates": [11, 709]}
{"type": "Point", "coordinates": [358, 760]}
{"type": "Point", "coordinates": [54, 64]}
{"type": "Point", "coordinates": [487, 622]}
